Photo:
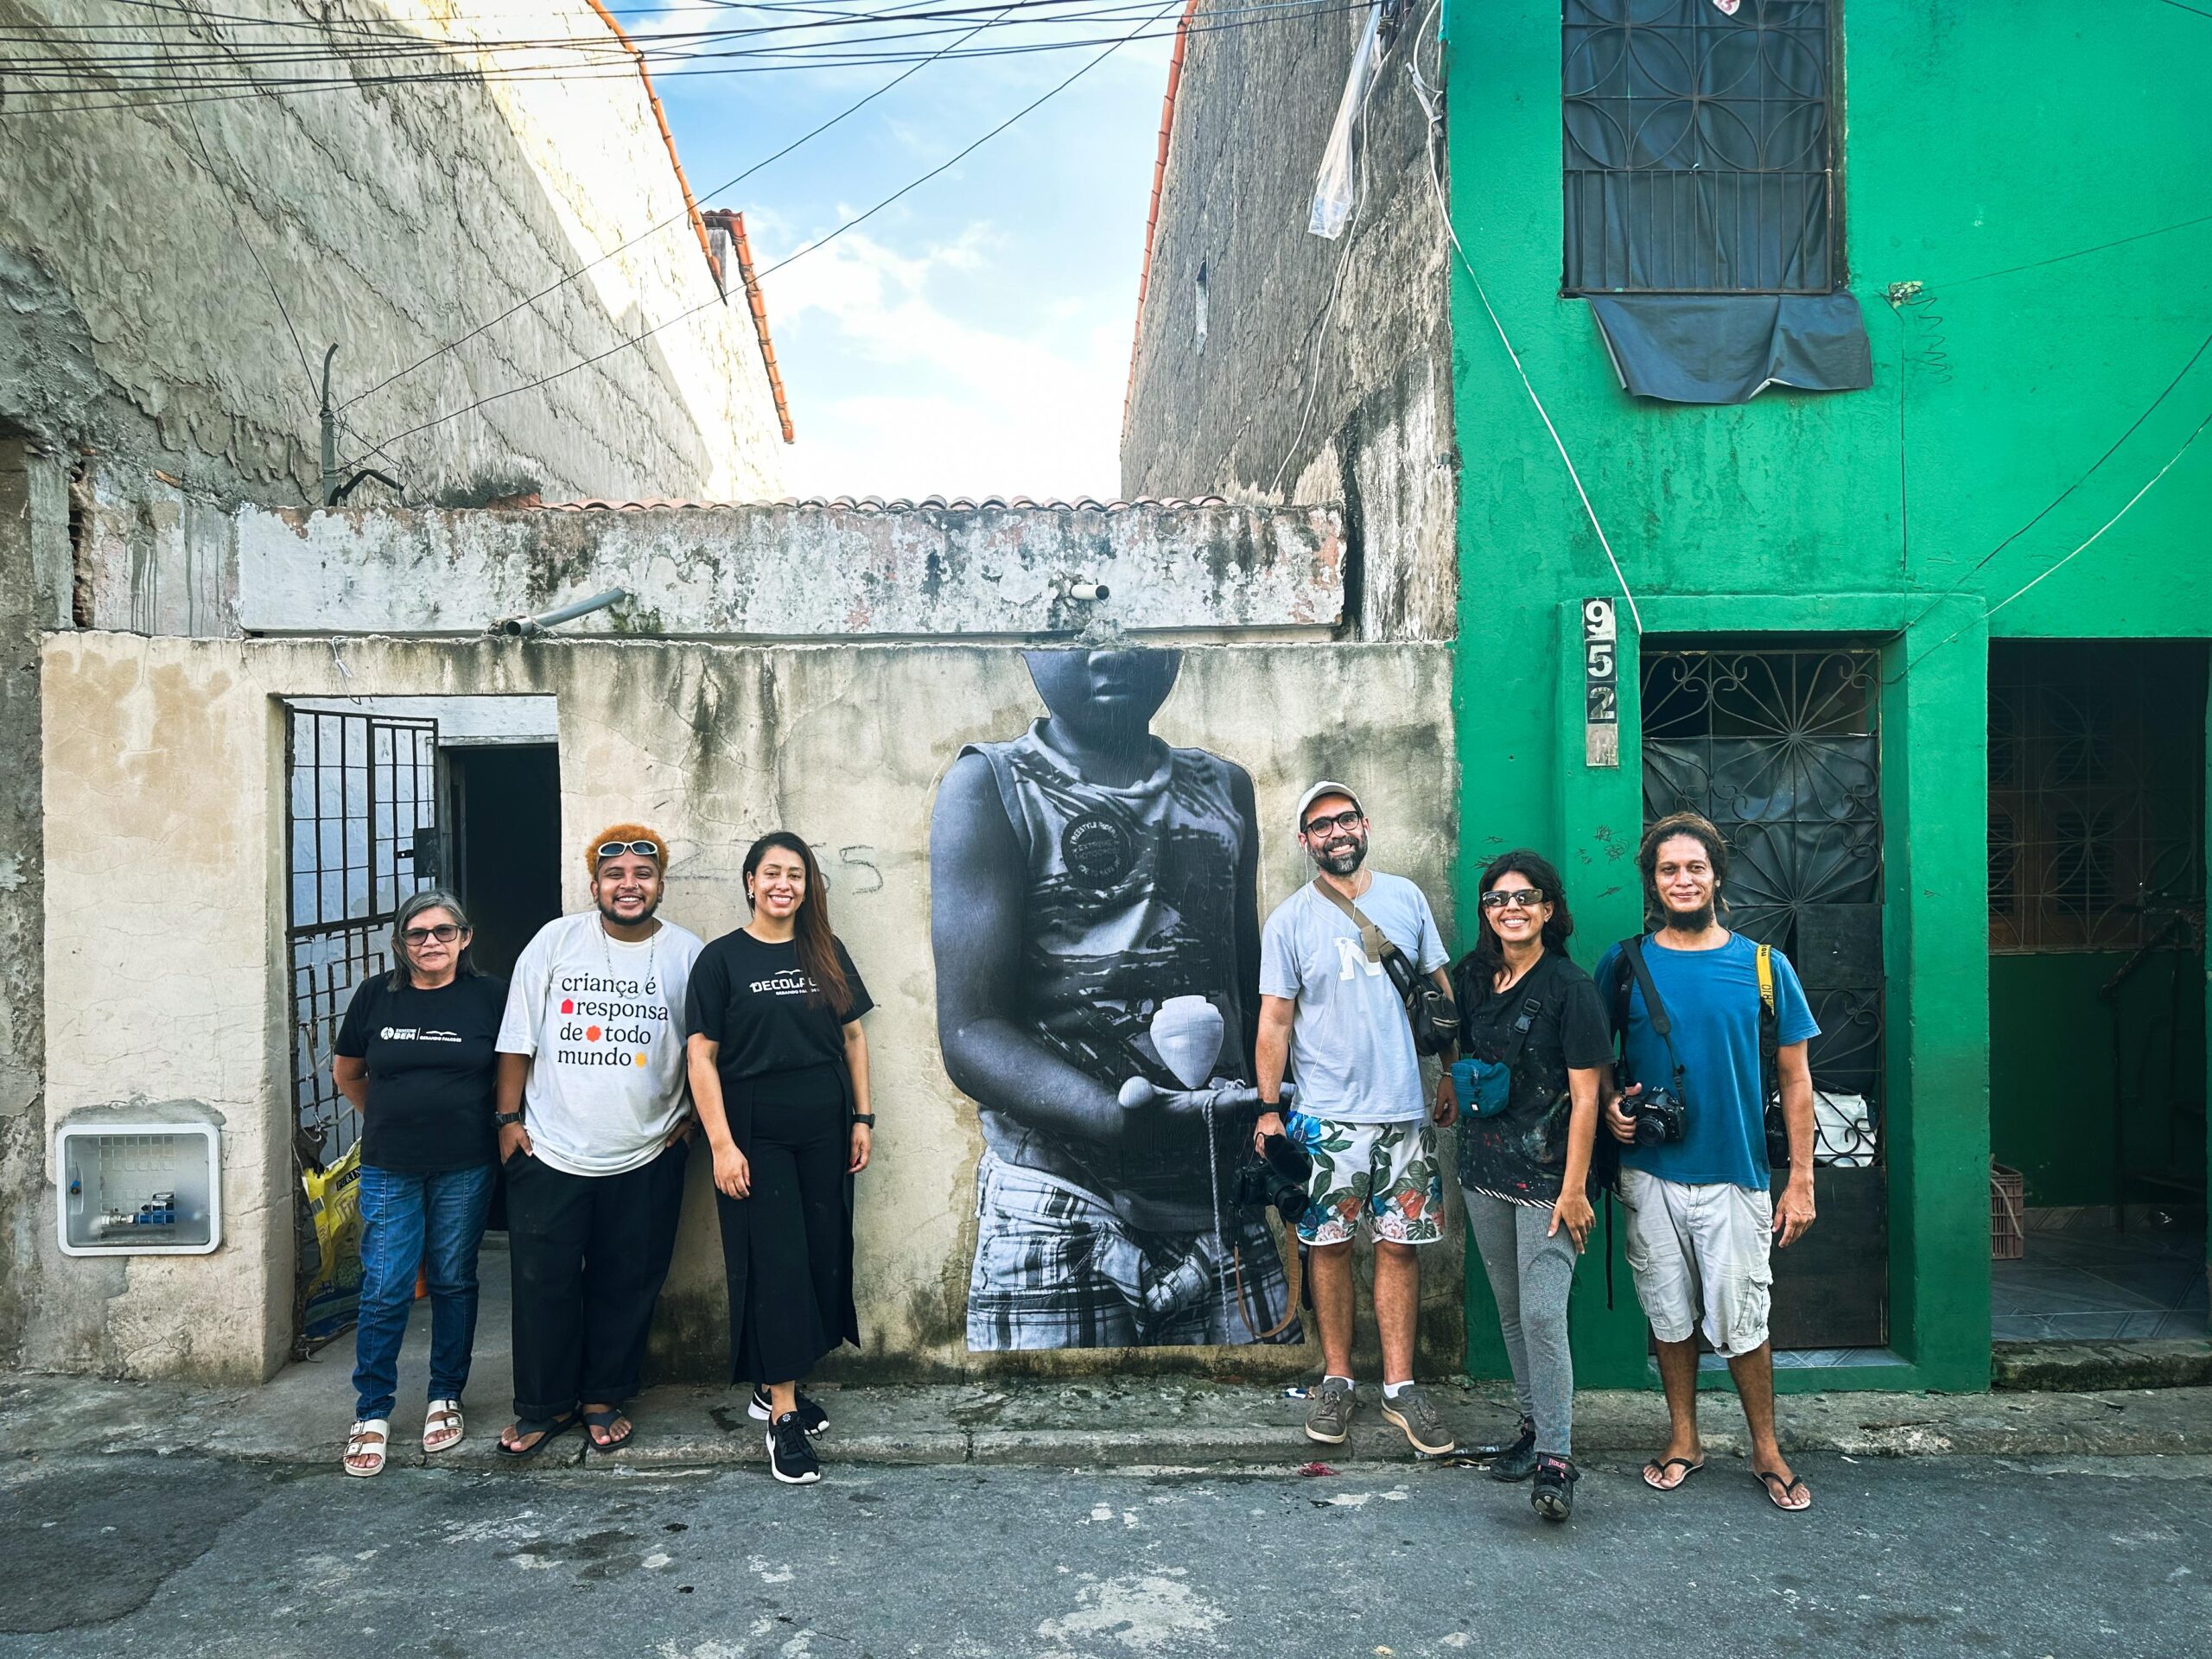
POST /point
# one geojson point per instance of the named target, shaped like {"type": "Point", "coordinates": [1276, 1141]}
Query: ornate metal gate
{"type": "Point", "coordinates": [363, 789]}
{"type": "Point", "coordinates": [1781, 749]}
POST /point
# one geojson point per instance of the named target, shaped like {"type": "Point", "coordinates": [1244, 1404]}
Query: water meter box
{"type": "Point", "coordinates": [138, 1189]}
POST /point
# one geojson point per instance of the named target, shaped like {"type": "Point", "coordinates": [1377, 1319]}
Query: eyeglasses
{"type": "Point", "coordinates": [1344, 820]}
{"type": "Point", "coordinates": [1524, 898]}
{"type": "Point", "coordinates": [616, 848]}
{"type": "Point", "coordinates": [444, 933]}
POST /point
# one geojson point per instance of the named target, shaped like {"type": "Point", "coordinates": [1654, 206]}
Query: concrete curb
{"type": "Point", "coordinates": [1155, 1422]}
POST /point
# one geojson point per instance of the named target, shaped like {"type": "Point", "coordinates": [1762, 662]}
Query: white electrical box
{"type": "Point", "coordinates": [138, 1189]}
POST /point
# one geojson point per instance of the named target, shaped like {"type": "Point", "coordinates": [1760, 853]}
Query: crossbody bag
{"type": "Point", "coordinates": [1429, 1007]}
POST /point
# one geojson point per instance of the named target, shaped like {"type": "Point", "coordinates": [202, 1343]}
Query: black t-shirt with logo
{"type": "Point", "coordinates": [1520, 1154]}
{"type": "Point", "coordinates": [753, 999]}
{"type": "Point", "coordinates": [432, 1072]}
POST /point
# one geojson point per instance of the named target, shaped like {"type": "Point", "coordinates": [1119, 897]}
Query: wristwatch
{"type": "Point", "coordinates": [503, 1119]}
{"type": "Point", "coordinates": [868, 1118]}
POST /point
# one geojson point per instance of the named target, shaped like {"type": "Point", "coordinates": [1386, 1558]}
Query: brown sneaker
{"type": "Point", "coordinates": [1328, 1415]}
{"type": "Point", "coordinates": [1413, 1411]}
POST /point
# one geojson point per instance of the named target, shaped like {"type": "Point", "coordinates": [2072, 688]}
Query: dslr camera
{"type": "Point", "coordinates": [1276, 1178]}
{"type": "Point", "coordinates": [1655, 1114]}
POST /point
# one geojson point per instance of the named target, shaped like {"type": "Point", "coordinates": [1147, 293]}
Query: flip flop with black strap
{"type": "Point", "coordinates": [1658, 1466]}
{"type": "Point", "coordinates": [547, 1430]}
{"type": "Point", "coordinates": [606, 1420]}
{"type": "Point", "coordinates": [1777, 1488]}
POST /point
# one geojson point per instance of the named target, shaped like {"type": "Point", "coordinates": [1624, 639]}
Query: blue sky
{"type": "Point", "coordinates": [973, 339]}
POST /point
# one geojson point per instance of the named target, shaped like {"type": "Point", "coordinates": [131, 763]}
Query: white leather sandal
{"type": "Point", "coordinates": [367, 1439]}
{"type": "Point", "coordinates": [443, 1428]}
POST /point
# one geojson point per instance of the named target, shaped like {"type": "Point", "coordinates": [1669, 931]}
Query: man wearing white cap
{"type": "Point", "coordinates": [1330, 1009]}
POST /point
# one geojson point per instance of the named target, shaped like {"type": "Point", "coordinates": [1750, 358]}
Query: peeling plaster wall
{"type": "Point", "coordinates": [1293, 397]}
{"type": "Point", "coordinates": [164, 918]}
{"type": "Point", "coordinates": [135, 318]}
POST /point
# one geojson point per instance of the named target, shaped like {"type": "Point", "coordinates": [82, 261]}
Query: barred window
{"type": "Point", "coordinates": [1699, 147]}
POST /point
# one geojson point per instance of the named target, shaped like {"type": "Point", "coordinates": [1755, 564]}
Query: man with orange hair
{"type": "Point", "coordinates": [592, 1115]}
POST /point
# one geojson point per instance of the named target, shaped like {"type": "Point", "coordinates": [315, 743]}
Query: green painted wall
{"type": "Point", "coordinates": [1975, 139]}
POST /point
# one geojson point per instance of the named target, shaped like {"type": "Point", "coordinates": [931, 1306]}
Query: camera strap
{"type": "Point", "coordinates": [1424, 1001]}
{"type": "Point", "coordinates": [1654, 1009]}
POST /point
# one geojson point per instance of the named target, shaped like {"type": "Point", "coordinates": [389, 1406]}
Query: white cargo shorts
{"type": "Point", "coordinates": [1702, 1251]}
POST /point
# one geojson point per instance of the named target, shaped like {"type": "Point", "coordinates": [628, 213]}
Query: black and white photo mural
{"type": "Point", "coordinates": [1094, 925]}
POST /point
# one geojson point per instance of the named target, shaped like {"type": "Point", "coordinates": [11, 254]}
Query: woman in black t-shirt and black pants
{"type": "Point", "coordinates": [415, 1056]}
{"type": "Point", "coordinates": [1525, 1171]}
{"type": "Point", "coordinates": [778, 1069]}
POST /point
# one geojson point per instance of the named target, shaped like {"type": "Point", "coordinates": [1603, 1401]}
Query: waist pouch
{"type": "Point", "coordinates": [1482, 1087]}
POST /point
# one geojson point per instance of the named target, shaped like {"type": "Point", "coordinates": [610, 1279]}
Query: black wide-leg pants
{"type": "Point", "coordinates": [786, 1246]}
{"type": "Point", "coordinates": [588, 1254]}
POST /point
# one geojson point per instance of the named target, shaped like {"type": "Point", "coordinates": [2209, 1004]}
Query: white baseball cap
{"type": "Point", "coordinates": [1326, 786]}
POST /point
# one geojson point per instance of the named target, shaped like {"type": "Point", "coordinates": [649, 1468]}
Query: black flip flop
{"type": "Point", "coordinates": [606, 1420]}
{"type": "Point", "coordinates": [1777, 1488]}
{"type": "Point", "coordinates": [547, 1430]}
{"type": "Point", "coordinates": [1684, 1464]}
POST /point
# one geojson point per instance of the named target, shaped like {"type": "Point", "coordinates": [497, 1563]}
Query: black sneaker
{"type": "Point", "coordinates": [1554, 1497]}
{"type": "Point", "coordinates": [791, 1460]}
{"type": "Point", "coordinates": [811, 1417]}
{"type": "Point", "coordinates": [1516, 1461]}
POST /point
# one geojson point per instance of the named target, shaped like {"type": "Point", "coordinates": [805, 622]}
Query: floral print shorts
{"type": "Point", "coordinates": [1387, 1171]}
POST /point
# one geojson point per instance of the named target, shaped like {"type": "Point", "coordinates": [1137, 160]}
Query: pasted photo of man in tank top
{"type": "Point", "coordinates": [1083, 875]}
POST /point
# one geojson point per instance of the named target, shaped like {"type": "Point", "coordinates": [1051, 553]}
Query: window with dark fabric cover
{"type": "Point", "coordinates": [1700, 149]}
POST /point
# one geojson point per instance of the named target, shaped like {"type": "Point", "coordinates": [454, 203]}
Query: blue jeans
{"type": "Point", "coordinates": [402, 1215]}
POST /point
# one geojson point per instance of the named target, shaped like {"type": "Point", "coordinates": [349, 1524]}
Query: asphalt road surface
{"type": "Point", "coordinates": [140, 1554]}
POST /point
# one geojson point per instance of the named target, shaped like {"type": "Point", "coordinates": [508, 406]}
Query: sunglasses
{"type": "Point", "coordinates": [1344, 820]}
{"type": "Point", "coordinates": [1525, 897]}
{"type": "Point", "coordinates": [444, 933]}
{"type": "Point", "coordinates": [616, 848]}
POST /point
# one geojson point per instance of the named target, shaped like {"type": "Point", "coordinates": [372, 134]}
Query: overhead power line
{"type": "Point", "coordinates": [729, 183]}
{"type": "Point", "coordinates": [857, 219]}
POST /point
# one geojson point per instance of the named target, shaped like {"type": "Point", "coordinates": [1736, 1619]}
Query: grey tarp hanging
{"type": "Point", "coordinates": [1727, 348]}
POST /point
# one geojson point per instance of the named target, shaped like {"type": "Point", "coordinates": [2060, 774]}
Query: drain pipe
{"type": "Point", "coordinates": [526, 627]}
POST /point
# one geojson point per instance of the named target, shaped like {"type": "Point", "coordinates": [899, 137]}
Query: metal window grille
{"type": "Point", "coordinates": [1782, 750]}
{"type": "Point", "coordinates": [2096, 762]}
{"type": "Point", "coordinates": [1699, 150]}
{"type": "Point", "coordinates": [362, 788]}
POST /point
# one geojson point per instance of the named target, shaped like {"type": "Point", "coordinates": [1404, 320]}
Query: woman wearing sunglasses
{"type": "Point", "coordinates": [415, 1056]}
{"type": "Point", "coordinates": [1535, 1048]}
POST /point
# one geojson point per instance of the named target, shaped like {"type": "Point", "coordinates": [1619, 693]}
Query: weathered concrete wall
{"type": "Point", "coordinates": [789, 570]}
{"type": "Point", "coordinates": [135, 317]}
{"type": "Point", "coordinates": [162, 947]}
{"type": "Point", "coordinates": [33, 586]}
{"type": "Point", "coordinates": [1252, 117]}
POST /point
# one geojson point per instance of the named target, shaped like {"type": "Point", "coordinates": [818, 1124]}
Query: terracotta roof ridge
{"type": "Point", "coordinates": [733, 223]}
{"type": "Point", "coordinates": [1158, 182]}
{"type": "Point", "coordinates": [652, 98]}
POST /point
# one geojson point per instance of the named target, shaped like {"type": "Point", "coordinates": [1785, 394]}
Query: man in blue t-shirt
{"type": "Point", "coordinates": [1701, 1215]}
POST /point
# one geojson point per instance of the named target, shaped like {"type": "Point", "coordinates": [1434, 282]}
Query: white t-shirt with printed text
{"type": "Point", "coordinates": [602, 1021]}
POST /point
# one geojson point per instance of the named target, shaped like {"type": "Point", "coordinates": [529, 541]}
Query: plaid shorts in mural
{"type": "Point", "coordinates": [1387, 1171]}
{"type": "Point", "coordinates": [1056, 1267]}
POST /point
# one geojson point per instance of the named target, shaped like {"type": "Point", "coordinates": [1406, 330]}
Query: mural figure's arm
{"type": "Point", "coordinates": [1246, 919]}
{"type": "Point", "coordinates": [976, 921]}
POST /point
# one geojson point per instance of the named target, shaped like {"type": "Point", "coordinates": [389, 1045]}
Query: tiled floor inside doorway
{"type": "Point", "coordinates": [2084, 1278]}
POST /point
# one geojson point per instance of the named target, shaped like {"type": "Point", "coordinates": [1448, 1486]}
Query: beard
{"type": "Point", "coordinates": [608, 914]}
{"type": "Point", "coordinates": [1345, 863]}
{"type": "Point", "coordinates": [1688, 921]}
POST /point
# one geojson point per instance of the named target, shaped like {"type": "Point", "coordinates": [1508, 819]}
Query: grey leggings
{"type": "Point", "coordinates": [1530, 1276]}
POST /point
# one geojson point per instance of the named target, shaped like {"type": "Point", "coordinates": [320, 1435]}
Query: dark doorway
{"type": "Point", "coordinates": [1780, 747]}
{"type": "Point", "coordinates": [2096, 989]}
{"type": "Point", "coordinates": [506, 844]}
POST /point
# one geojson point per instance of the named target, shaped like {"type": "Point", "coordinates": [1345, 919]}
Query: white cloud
{"type": "Point", "coordinates": [941, 405]}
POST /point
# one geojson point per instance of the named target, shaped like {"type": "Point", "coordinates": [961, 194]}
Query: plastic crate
{"type": "Point", "coordinates": [2008, 1239]}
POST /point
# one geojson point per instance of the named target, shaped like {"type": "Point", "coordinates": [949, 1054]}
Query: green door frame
{"type": "Point", "coordinates": [1934, 803]}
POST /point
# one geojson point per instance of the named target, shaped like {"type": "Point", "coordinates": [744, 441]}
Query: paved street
{"type": "Point", "coordinates": [134, 1554]}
